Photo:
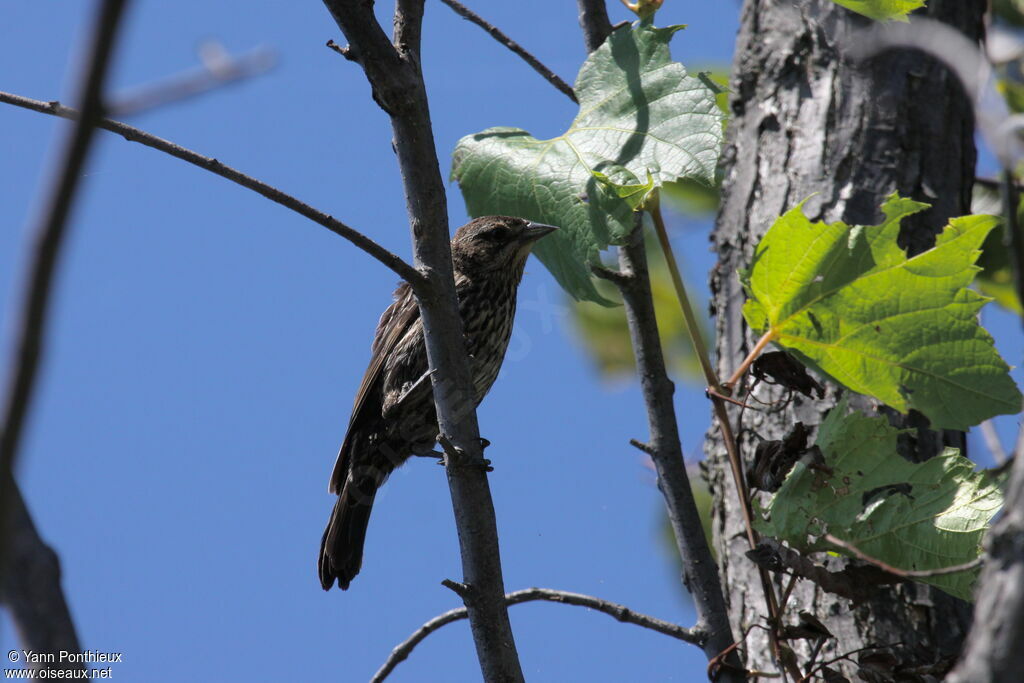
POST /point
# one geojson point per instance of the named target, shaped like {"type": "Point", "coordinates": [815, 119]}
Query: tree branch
{"type": "Point", "coordinates": [689, 635]}
{"type": "Point", "coordinates": [133, 134]}
{"type": "Point", "coordinates": [594, 22]}
{"type": "Point", "coordinates": [393, 71]}
{"type": "Point", "coordinates": [512, 45]}
{"type": "Point", "coordinates": [47, 238]}
{"type": "Point", "coordinates": [700, 573]}
{"type": "Point", "coordinates": [31, 588]}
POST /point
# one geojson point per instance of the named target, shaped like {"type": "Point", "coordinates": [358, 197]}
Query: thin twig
{"type": "Point", "coordinates": [620, 612]}
{"type": "Point", "coordinates": [903, 573]}
{"type": "Point", "coordinates": [218, 69]}
{"type": "Point", "coordinates": [133, 134]}
{"type": "Point", "coordinates": [696, 338]}
{"type": "Point", "coordinates": [992, 442]}
{"type": "Point", "coordinates": [512, 45]}
{"type": "Point", "coordinates": [47, 238]}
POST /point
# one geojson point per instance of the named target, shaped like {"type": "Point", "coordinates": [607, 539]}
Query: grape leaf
{"type": "Point", "coordinates": [848, 302]}
{"type": "Point", "coordinates": [911, 516]}
{"type": "Point", "coordinates": [882, 10]}
{"type": "Point", "coordinates": [643, 121]}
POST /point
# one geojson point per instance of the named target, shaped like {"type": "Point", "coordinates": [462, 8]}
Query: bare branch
{"type": "Point", "coordinates": [32, 590]}
{"type": "Point", "coordinates": [689, 635]}
{"type": "Point", "coordinates": [47, 238]}
{"type": "Point", "coordinates": [594, 22]}
{"type": "Point", "coordinates": [700, 572]}
{"type": "Point", "coordinates": [218, 69]}
{"type": "Point", "coordinates": [132, 134]}
{"type": "Point", "coordinates": [512, 45]}
{"type": "Point", "coordinates": [393, 70]}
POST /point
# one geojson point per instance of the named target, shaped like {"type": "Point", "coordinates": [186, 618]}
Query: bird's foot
{"type": "Point", "coordinates": [460, 458]}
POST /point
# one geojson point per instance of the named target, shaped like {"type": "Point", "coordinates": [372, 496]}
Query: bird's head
{"type": "Point", "coordinates": [495, 243]}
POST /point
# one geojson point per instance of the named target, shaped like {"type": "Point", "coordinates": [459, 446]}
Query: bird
{"type": "Point", "coordinates": [393, 417]}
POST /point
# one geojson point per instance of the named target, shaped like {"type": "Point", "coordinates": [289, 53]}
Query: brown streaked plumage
{"type": "Point", "coordinates": [393, 416]}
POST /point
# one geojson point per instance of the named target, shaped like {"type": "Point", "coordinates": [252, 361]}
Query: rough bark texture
{"type": "Point", "coordinates": [993, 651]}
{"type": "Point", "coordinates": [806, 121]}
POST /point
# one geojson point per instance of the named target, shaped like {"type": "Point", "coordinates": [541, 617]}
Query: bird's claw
{"type": "Point", "coordinates": [459, 457]}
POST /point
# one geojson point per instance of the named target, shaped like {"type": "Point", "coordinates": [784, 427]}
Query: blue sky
{"type": "Point", "coordinates": [206, 345]}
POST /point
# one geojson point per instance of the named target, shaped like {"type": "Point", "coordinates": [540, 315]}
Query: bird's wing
{"type": "Point", "coordinates": [393, 325]}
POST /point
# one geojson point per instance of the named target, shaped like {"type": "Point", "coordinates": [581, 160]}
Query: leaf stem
{"type": "Point", "coordinates": [765, 339]}
{"type": "Point", "coordinates": [653, 206]}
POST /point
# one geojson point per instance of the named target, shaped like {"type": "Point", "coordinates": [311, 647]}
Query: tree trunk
{"type": "Point", "coordinates": [807, 121]}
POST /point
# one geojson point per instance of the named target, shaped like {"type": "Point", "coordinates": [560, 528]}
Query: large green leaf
{"type": "Point", "coordinates": [911, 516]}
{"type": "Point", "coordinates": [882, 10]}
{"type": "Point", "coordinates": [642, 122]}
{"type": "Point", "coordinates": [849, 303]}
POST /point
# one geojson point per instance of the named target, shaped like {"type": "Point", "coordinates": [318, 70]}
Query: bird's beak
{"type": "Point", "coordinates": [534, 231]}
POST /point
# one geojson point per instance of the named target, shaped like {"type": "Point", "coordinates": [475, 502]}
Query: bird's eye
{"type": "Point", "coordinates": [498, 233]}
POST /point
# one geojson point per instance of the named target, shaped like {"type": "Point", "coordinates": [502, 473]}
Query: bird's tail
{"type": "Point", "coordinates": [341, 550]}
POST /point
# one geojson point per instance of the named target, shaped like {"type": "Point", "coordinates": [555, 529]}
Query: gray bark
{"type": "Point", "coordinates": [806, 121]}
{"type": "Point", "coordinates": [993, 651]}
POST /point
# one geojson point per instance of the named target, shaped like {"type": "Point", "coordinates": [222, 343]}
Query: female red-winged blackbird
{"type": "Point", "coordinates": [393, 417]}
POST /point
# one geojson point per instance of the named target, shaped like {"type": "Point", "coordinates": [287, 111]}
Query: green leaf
{"type": "Point", "coordinates": [641, 117]}
{"type": "Point", "coordinates": [882, 10]}
{"type": "Point", "coordinates": [911, 516]}
{"type": "Point", "coordinates": [850, 304]}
